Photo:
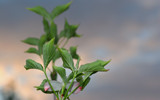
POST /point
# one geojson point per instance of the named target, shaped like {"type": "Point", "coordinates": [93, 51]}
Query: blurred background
{"type": "Point", "coordinates": [126, 31]}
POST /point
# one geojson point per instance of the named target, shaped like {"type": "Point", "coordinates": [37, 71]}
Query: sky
{"type": "Point", "coordinates": [126, 31]}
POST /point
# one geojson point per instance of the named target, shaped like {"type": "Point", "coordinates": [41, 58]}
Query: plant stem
{"type": "Point", "coordinates": [50, 84]}
{"type": "Point", "coordinates": [74, 90]}
{"type": "Point", "coordinates": [69, 87]}
{"type": "Point", "coordinates": [63, 88]}
{"type": "Point", "coordinates": [54, 96]}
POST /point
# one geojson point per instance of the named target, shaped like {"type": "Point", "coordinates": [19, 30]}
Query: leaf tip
{"type": "Point", "coordinates": [22, 40]}
{"type": "Point", "coordinates": [28, 8]}
{"type": "Point", "coordinates": [26, 67]}
{"type": "Point", "coordinates": [106, 70]}
{"type": "Point", "coordinates": [70, 3]}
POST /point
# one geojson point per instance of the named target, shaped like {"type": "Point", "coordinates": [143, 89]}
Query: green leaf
{"type": "Point", "coordinates": [32, 50]}
{"type": "Point", "coordinates": [59, 9]}
{"type": "Point", "coordinates": [70, 76]}
{"type": "Point", "coordinates": [67, 59]}
{"type": "Point", "coordinates": [53, 31]}
{"type": "Point", "coordinates": [94, 66]}
{"type": "Point", "coordinates": [57, 56]}
{"type": "Point", "coordinates": [87, 74]}
{"type": "Point", "coordinates": [85, 83]}
{"type": "Point", "coordinates": [31, 64]}
{"type": "Point", "coordinates": [46, 26]}
{"type": "Point", "coordinates": [42, 40]}
{"type": "Point", "coordinates": [31, 41]}
{"type": "Point", "coordinates": [69, 31]}
{"type": "Point", "coordinates": [48, 52]}
{"type": "Point", "coordinates": [62, 72]}
{"type": "Point", "coordinates": [73, 51]}
{"type": "Point", "coordinates": [53, 75]}
{"type": "Point", "coordinates": [40, 11]}
{"type": "Point", "coordinates": [79, 79]}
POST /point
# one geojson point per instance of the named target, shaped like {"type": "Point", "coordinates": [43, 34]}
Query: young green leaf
{"type": "Point", "coordinates": [42, 40]}
{"type": "Point", "coordinates": [57, 56]}
{"type": "Point", "coordinates": [94, 66]}
{"type": "Point", "coordinates": [59, 9]}
{"type": "Point", "coordinates": [32, 50]}
{"type": "Point", "coordinates": [62, 72]}
{"type": "Point", "coordinates": [67, 59]}
{"type": "Point", "coordinates": [40, 11]}
{"type": "Point", "coordinates": [48, 52]}
{"type": "Point", "coordinates": [31, 41]}
{"type": "Point", "coordinates": [70, 76]}
{"type": "Point", "coordinates": [85, 83]}
{"type": "Point", "coordinates": [31, 64]}
{"type": "Point", "coordinates": [73, 51]}
{"type": "Point", "coordinates": [79, 79]}
{"type": "Point", "coordinates": [53, 32]}
{"type": "Point", "coordinates": [69, 31]}
{"type": "Point", "coordinates": [88, 74]}
{"type": "Point", "coordinates": [53, 75]}
{"type": "Point", "coordinates": [46, 26]}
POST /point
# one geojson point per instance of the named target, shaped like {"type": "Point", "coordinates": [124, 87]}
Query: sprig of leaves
{"type": "Point", "coordinates": [48, 48]}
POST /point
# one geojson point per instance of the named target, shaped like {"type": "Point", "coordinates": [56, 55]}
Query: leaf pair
{"type": "Point", "coordinates": [94, 66]}
{"type": "Point", "coordinates": [89, 69]}
{"type": "Point", "coordinates": [69, 31]}
{"type": "Point", "coordinates": [50, 16]}
{"type": "Point", "coordinates": [48, 54]}
{"type": "Point", "coordinates": [35, 42]}
{"type": "Point", "coordinates": [67, 59]}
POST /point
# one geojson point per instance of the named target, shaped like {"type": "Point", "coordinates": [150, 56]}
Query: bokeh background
{"type": "Point", "coordinates": [126, 31]}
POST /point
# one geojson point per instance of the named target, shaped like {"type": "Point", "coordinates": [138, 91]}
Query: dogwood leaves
{"type": "Point", "coordinates": [48, 52]}
{"type": "Point", "coordinates": [50, 16]}
{"type": "Point", "coordinates": [69, 31]}
{"type": "Point", "coordinates": [67, 59]}
{"type": "Point", "coordinates": [94, 66]}
{"type": "Point", "coordinates": [40, 11]}
{"type": "Point", "coordinates": [62, 72]}
{"type": "Point", "coordinates": [32, 50]}
{"type": "Point", "coordinates": [31, 64]}
{"type": "Point", "coordinates": [31, 41]}
{"type": "Point", "coordinates": [50, 47]}
{"type": "Point", "coordinates": [59, 10]}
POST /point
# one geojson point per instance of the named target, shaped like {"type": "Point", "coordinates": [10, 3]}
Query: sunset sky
{"type": "Point", "coordinates": [126, 31]}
